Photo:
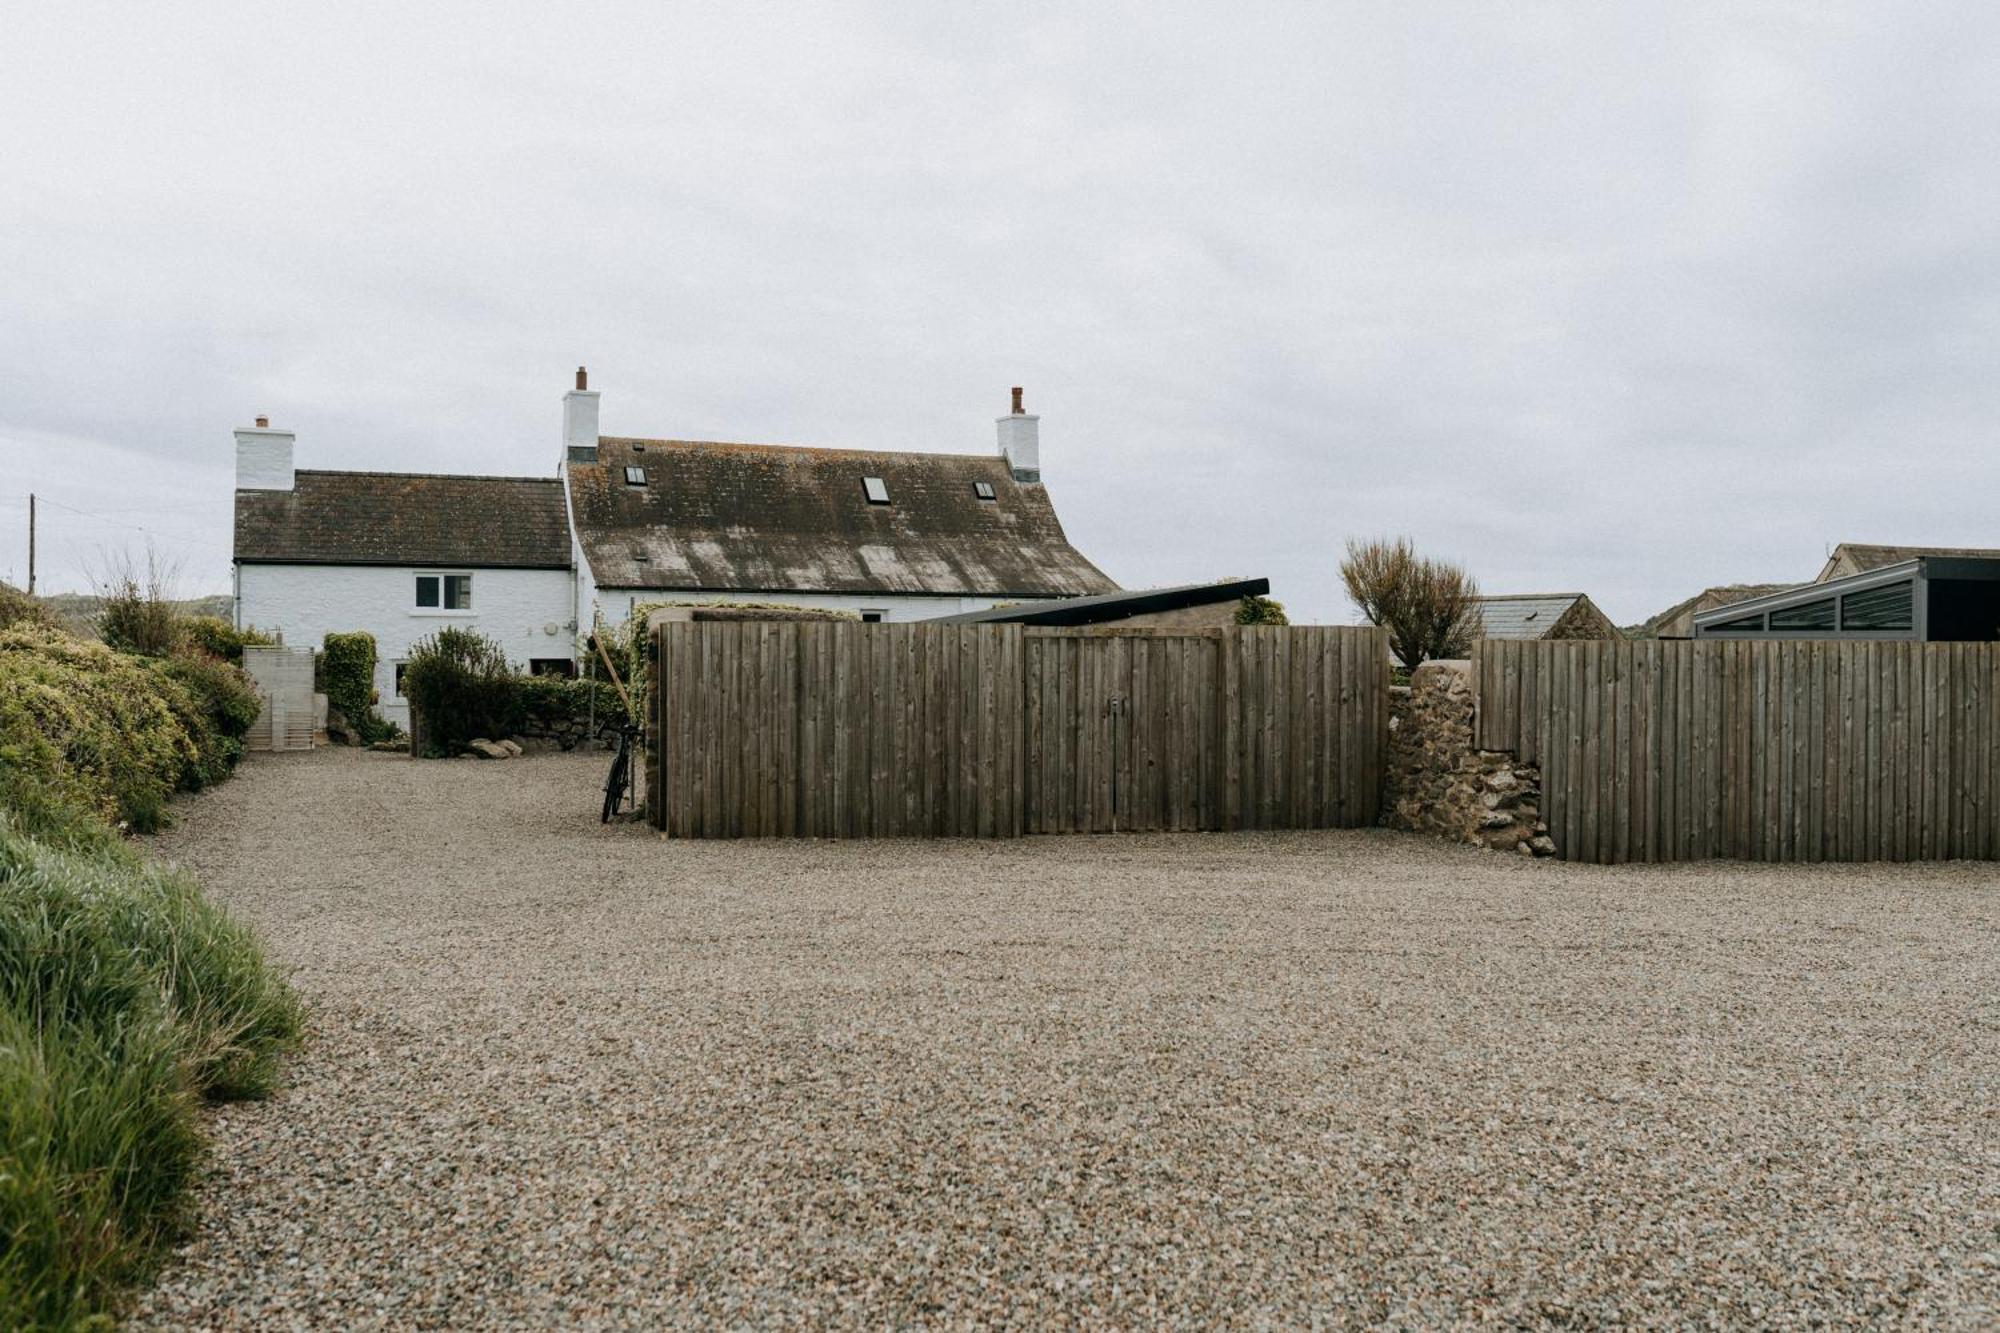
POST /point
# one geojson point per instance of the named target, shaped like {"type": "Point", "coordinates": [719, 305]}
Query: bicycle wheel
{"type": "Point", "coordinates": [615, 785]}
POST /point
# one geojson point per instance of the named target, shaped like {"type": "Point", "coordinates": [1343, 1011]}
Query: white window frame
{"type": "Point", "coordinates": [440, 575]}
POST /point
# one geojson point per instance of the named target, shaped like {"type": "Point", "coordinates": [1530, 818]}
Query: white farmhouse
{"type": "Point", "coordinates": [627, 522]}
{"type": "Point", "coordinates": [399, 555]}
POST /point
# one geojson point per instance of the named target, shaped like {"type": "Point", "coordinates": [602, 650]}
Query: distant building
{"type": "Point", "coordinates": [1925, 598]}
{"type": "Point", "coordinates": [1556, 615]}
{"type": "Point", "coordinates": [1677, 621]}
{"type": "Point", "coordinates": [1851, 558]}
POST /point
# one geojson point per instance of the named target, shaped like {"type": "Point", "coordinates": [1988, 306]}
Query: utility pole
{"type": "Point", "coordinates": [31, 543]}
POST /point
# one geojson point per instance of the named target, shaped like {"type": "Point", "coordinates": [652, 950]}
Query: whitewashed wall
{"type": "Point", "coordinates": [526, 611]}
{"type": "Point", "coordinates": [617, 603]}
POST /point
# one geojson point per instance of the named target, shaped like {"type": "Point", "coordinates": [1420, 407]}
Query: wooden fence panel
{"type": "Point", "coordinates": [820, 729]}
{"type": "Point", "coordinates": [1784, 751]}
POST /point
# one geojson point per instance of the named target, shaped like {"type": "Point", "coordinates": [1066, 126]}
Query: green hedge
{"type": "Point", "coordinates": [461, 687]}
{"type": "Point", "coordinates": [346, 675]}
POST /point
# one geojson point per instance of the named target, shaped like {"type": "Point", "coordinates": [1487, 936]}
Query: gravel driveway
{"type": "Point", "coordinates": [568, 1075]}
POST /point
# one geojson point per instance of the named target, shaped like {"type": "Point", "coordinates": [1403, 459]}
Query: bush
{"type": "Point", "coordinates": [124, 997]}
{"type": "Point", "coordinates": [346, 675]}
{"type": "Point", "coordinates": [1429, 607]}
{"type": "Point", "coordinates": [1261, 611]}
{"type": "Point", "coordinates": [95, 726]}
{"type": "Point", "coordinates": [16, 608]}
{"type": "Point", "coordinates": [136, 612]}
{"type": "Point", "coordinates": [549, 705]}
{"type": "Point", "coordinates": [218, 638]}
{"type": "Point", "coordinates": [225, 704]}
{"type": "Point", "coordinates": [460, 687]}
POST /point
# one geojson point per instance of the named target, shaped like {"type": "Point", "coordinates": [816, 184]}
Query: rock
{"type": "Point", "coordinates": [512, 747]}
{"type": "Point", "coordinates": [1498, 819]}
{"type": "Point", "coordinates": [391, 747]}
{"type": "Point", "coordinates": [1543, 845]}
{"type": "Point", "coordinates": [486, 749]}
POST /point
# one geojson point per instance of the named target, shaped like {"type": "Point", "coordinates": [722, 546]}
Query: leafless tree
{"type": "Point", "coordinates": [1427, 605]}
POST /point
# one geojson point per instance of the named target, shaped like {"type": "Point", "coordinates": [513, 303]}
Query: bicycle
{"type": "Point", "coordinates": [619, 784]}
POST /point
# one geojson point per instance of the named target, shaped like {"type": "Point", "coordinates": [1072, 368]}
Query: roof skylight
{"type": "Point", "coordinates": [635, 476]}
{"type": "Point", "coordinates": [983, 489]}
{"type": "Point", "coordinates": [877, 489]}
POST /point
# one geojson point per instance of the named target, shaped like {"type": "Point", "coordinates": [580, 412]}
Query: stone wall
{"type": "Point", "coordinates": [1438, 783]}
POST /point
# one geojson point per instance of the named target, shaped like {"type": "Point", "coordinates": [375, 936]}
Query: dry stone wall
{"type": "Point", "coordinates": [1438, 783]}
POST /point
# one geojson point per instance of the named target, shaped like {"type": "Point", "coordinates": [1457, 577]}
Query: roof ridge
{"type": "Point", "coordinates": [428, 476]}
{"type": "Point", "coordinates": [798, 448]}
{"type": "Point", "coordinates": [1526, 596]}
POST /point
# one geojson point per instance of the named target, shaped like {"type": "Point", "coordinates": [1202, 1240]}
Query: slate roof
{"type": "Point", "coordinates": [771, 518]}
{"type": "Point", "coordinates": [405, 518]}
{"type": "Point", "coordinates": [1113, 606]}
{"type": "Point", "coordinates": [1530, 616]}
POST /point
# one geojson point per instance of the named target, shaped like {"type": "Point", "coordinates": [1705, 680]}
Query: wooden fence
{"type": "Point", "coordinates": [841, 730]}
{"type": "Point", "coordinates": [1773, 751]}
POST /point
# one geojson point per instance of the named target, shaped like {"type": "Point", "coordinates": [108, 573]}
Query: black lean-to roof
{"type": "Point", "coordinates": [397, 518]}
{"type": "Point", "coordinates": [1108, 608]}
{"type": "Point", "coordinates": [769, 518]}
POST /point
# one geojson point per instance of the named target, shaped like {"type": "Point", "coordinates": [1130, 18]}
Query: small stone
{"type": "Point", "coordinates": [1541, 846]}
{"type": "Point", "coordinates": [1498, 819]}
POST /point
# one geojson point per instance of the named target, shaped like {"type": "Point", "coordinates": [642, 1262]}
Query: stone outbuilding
{"type": "Point", "coordinates": [1554, 615]}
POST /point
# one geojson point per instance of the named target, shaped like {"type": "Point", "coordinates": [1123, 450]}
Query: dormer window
{"type": "Point", "coordinates": [877, 490]}
{"type": "Point", "coordinates": [635, 476]}
{"type": "Point", "coordinates": [983, 489]}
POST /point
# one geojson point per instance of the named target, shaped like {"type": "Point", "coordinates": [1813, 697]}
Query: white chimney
{"type": "Point", "coordinates": [580, 421]}
{"type": "Point", "coordinates": [1021, 441]}
{"type": "Point", "coordinates": [263, 457]}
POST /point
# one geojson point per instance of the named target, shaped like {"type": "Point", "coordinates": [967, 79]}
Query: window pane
{"type": "Point", "coordinates": [401, 667]}
{"type": "Point", "coordinates": [635, 476]}
{"type": "Point", "coordinates": [1812, 615]}
{"type": "Point", "coordinates": [1889, 608]}
{"type": "Point", "coordinates": [877, 489]}
{"type": "Point", "coordinates": [983, 489]}
{"type": "Point", "coordinates": [1741, 625]}
{"type": "Point", "coordinates": [427, 590]}
{"type": "Point", "coordinates": [458, 592]}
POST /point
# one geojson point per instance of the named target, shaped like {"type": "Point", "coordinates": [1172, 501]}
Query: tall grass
{"type": "Point", "coordinates": [125, 998]}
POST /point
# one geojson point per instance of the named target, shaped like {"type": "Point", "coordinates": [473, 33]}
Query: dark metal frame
{"type": "Point", "coordinates": [1918, 573]}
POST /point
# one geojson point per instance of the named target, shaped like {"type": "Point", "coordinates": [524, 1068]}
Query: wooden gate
{"type": "Point", "coordinates": [1123, 731]}
{"type": "Point", "coordinates": [283, 678]}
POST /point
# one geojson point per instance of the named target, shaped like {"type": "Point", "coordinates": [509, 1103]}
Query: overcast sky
{"type": "Point", "coordinates": [1626, 298]}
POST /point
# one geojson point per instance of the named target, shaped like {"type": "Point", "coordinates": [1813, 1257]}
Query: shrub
{"type": "Point", "coordinates": [136, 612]}
{"type": "Point", "coordinates": [225, 704]}
{"type": "Point", "coordinates": [16, 607]}
{"type": "Point", "coordinates": [346, 675]}
{"type": "Point", "coordinates": [548, 705]}
{"type": "Point", "coordinates": [1261, 611]}
{"type": "Point", "coordinates": [1428, 606]}
{"type": "Point", "coordinates": [93, 725]}
{"type": "Point", "coordinates": [218, 638]}
{"type": "Point", "coordinates": [124, 996]}
{"type": "Point", "coordinates": [460, 687]}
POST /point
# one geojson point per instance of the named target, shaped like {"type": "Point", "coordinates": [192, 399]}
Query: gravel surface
{"type": "Point", "coordinates": [568, 1075]}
